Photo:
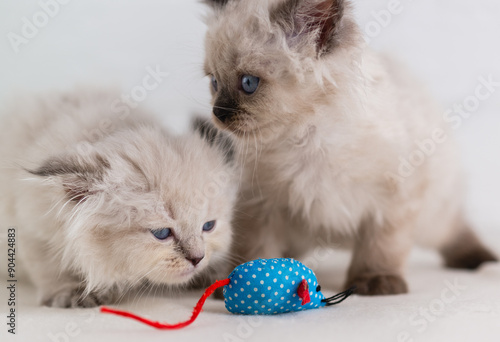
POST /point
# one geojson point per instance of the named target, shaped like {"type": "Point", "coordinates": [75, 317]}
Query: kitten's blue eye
{"type": "Point", "coordinates": [215, 86]}
{"type": "Point", "coordinates": [249, 84]}
{"type": "Point", "coordinates": [209, 226]}
{"type": "Point", "coordinates": [162, 234]}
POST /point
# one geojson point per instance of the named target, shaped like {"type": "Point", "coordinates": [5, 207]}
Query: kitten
{"type": "Point", "coordinates": [104, 200]}
{"type": "Point", "coordinates": [321, 122]}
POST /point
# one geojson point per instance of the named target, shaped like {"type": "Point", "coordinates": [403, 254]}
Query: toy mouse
{"type": "Point", "coordinates": [261, 287]}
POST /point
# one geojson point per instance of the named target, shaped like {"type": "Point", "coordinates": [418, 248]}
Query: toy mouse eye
{"type": "Point", "coordinates": [209, 226]}
{"type": "Point", "coordinates": [318, 288]}
{"type": "Point", "coordinates": [162, 233]}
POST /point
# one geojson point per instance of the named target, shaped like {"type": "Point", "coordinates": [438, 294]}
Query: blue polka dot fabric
{"type": "Point", "coordinates": [270, 287]}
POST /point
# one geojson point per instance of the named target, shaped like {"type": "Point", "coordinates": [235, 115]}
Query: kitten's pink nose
{"type": "Point", "coordinates": [195, 260]}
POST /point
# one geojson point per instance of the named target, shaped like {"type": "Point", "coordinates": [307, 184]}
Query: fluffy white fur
{"type": "Point", "coordinates": [322, 139]}
{"type": "Point", "coordinates": [85, 180]}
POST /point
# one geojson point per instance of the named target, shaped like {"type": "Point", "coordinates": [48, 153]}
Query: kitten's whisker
{"type": "Point", "coordinates": [53, 207]}
{"type": "Point", "coordinates": [77, 208]}
{"type": "Point", "coordinates": [65, 204]}
{"type": "Point", "coordinates": [232, 110]}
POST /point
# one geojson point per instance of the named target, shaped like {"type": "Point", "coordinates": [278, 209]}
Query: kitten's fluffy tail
{"type": "Point", "coordinates": [465, 250]}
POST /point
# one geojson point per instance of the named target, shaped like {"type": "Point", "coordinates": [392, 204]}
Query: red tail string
{"type": "Point", "coordinates": [165, 326]}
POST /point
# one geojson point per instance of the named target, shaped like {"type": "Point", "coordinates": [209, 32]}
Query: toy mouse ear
{"type": "Point", "coordinates": [303, 292]}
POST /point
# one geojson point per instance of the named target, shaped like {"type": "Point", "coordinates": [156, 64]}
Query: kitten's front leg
{"type": "Point", "coordinates": [63, 289]}
{"type": "Point", "coordinates": [57, 287]}
{"type": "Point", "coordinates": [73, 295]}
{"type": "Point", "coordinates": [260, 233]}
{"type": "Point", "coordinates": [380, 252]}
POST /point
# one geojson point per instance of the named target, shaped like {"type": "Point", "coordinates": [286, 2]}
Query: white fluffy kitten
{"type": "Point", "coordinates": [104, 200]}
{"type": "Point", "coordinates": [321, 123]}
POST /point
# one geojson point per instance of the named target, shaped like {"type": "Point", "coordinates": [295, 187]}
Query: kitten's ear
{"type": "Point", "coordinates": [215, 137]}
{"type": "Point", "coordinates": [218, 4]}
{"type": "Point", "coordinates": [316, 22]}
{"type": "Point", "coordinates": [78, 174]}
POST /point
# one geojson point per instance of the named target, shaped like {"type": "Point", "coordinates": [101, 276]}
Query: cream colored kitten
{"type": "Point", "coordinates": [104, 200]}
{"type": "Point", "coordinates": [321, 123]}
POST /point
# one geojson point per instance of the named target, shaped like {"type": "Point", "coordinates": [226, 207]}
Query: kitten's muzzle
{"type": "Point", "coordinates": [224, 115]}
{"type": "Point", "coordinates": [195, 260]}
{"type": "Point", "coordinates": [225, 106]}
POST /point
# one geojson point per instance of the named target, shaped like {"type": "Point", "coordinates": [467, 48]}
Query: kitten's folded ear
{"type": "Point", "coordinates": [218, 4]}
{"type": "Point", "coordinates": [319, 22]}
{"type": "Point", "coordinates": [78, 174]}
{"type": "Point", "coordinates": [215, 137]}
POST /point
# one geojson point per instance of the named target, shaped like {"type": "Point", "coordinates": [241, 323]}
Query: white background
{"type": "Point", "coordinates": [449, 44]}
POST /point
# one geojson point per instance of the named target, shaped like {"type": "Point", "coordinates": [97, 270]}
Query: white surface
{"type": "Point", "coordinates": [466, 310]}
{"type": "Point", "coordinates": [448, 43]}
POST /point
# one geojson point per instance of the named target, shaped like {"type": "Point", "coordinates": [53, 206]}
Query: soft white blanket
{"type": "Point", "coordinates": [443, 305]}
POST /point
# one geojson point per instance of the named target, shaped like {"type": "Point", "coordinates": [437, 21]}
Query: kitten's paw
{"type": "Point", "coordinates": [376, 285]}
{"type": "Point", "coordinates": [76, 298]}
{"type": "Point", "coordinates": [469, 258]}
{"type": "Point", "coordinates": [466, 251]}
